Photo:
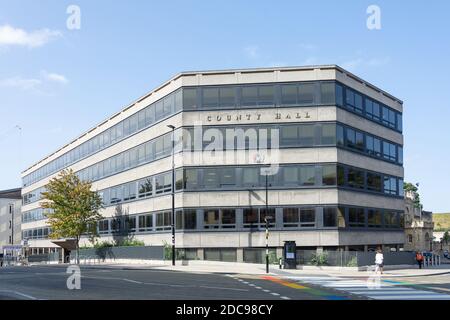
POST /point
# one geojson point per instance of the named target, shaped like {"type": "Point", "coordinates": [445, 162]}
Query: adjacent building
{"type": "Point", "coordinates": [419, 225]}
{"type": "Point", "coordinates": [10, 220]}
{"type": "Point", "coordinates": [333, 143]}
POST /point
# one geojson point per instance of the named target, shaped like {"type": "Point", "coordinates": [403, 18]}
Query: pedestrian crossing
{"type": "Point", "coordinates": [372, 287]}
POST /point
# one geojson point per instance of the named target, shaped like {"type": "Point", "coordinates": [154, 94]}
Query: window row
{"type": "Point", "coordinates": [147, 152]}
{"type": "Point", "coordinates": [33, 196]}
{"type": "Point", "coordinates": [287, 218]}
{"type": "Point", "coordinates": [243, 178]}
{"type": "Point", "coordinates": [368, 144]}
{"type": "Point", "coordinates": [291, 136]}
{"type": "Point", "coordinates": [242, 96]}
{"type": "Point", "coordinates": [37, 233]}
{"type": "Point", "coordinates": [155, 112]}
{"type": "Point", "coordinates": [35, 215]}
{"type": "Point", "coordinates": [371, 109]}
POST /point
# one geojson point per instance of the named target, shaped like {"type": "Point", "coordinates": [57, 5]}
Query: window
{"type": "Point", "coordinates": [340, 136]}
{"type": "Point", "coordinates": [289, 135]}
{"type": "Point", "coordinates": [130, 223]}
{"type": "Point", "coordinates": [374, 218]}
{"type": "Point", "coordinates": [210, 97]}
{"type": "Point", "coordinates": [190, 219]}
{"type": "Point", "coordinates": [163, 183]}
{"type": "Point", "coordinates": [145, 188]}
{"type": "Point", "coordinates": [129, 191]}
{"type": "Point", "coordinates": [306, 135]}
{"type": "Point", "coordinates": [306, 93]}
{"type": "Point", "coordinates": [329, 177]}
{"type": "Point", "coordinates": [227, 97]}
{"type": "Point", "coordinates": [145, 223]}
{"type": "Point", "coordinates": [390, 219]}
{"type": "Point", "coordinates": [228, 218]}
{"type": "Point", "coordinates": [328, 134]}
{"type": "Point", "coordinates": [266, 96]}
{"type": "Point", "coordinates": [307, 175]}
{"type": "Point", "coordinates": [356, 217]}
{"type": "Point", "coordinates": [290, 176]}
{"type": "Point", "coordinates": [210, 178]}
{"type": "Point", "coordinates": [399, 122]}
{"type": "Point", "coordinates": [190, 179]}
{"type": "Point", "coordinates": [354, 100]}
{"type": "Point", "coordinates": [327, 93]}
{"type": "Point", "coordinates": [400, 155]}
{"type": "Point", "coordinates": [189, 99]}
{"type": "Point", "coordinates": [290, 217]}
{"type": "Point", "coordinates": [355, 178]}
{"type": "Point", "coordinates": [359, 141]}
{"type": "Point", "coordinates": [250, 177]}
{"type": "Point", "coordinates": [249, 96]}
{"type": "Point", "coordinates": [168, 105]}
{"type": "Point", "coordinates": [390, 185]}
{"type": "Point", "coordinates": [374, 182]}
{"type": "Point", "coordinates": [339, 95]}
{"type": "Point", "coordinates": [227, 177]}
{"type": "Point", "coordinates": [211, 219]}
{"type": "Point", "coordinates": [163, 220]}
{"type": "Point", "coordinates": [410, 238]}
{"type": "Point", "coordinates": [116, 194]}
{"type": "Point", "coordinates": [250, 217]}
{"type": "Point", "coordinates": [307, 217]}
{"type": "Point", "coordinates": [289, 94]}
{"type": "Point", "coordinates": [329, 217]}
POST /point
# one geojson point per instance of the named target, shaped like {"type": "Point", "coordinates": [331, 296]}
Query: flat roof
{"type": "Point", "coordinates": [11, 194]}
{"type": "Point", "coordinates": [223, 71]}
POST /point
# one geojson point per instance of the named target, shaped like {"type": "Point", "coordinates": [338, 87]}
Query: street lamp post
{"type": "Point", "coordinates": [173, 193]}
{"type": "Point", "coordinates": [266, 172]}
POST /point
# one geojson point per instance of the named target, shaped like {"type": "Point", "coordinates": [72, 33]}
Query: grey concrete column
{"type": "Point", "coordinates": [279, 252]}
{"type": "Point", "coordinates": [239, 255]}
{"type": "Point", "coordinates": [200, 219]}
{"type": "Point", "coordinates": [201, 254]}
{"type": "Point", "coordinates": [279, 218]}
{"type": "Point", "coordinates": [366, 248]}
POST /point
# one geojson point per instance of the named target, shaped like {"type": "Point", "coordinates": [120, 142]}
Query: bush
{"type": "Point", "coordinates": [130, 243]}
{"type": "Point", "coordinates": [319, 259]}
{"type": "Point", "coordinates": [353, 262]}
{"type": "Point", "coordinates": [104, 244]}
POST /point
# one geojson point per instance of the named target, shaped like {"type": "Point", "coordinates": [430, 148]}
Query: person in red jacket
{"type": "Point", "coordinates": [419, 259]}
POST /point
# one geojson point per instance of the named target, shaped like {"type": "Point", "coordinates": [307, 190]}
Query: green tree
{"type": "Point", "coordinates": [446, 237]}
{"type": "Point", "coordinates": [409, 187]}
{"type": "Point", "coordinates": [74, 208]}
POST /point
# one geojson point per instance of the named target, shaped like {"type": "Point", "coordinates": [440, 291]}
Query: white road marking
{"type": "Point", "coordinates": [132, 281]}
{"type": "Point", "coordinates": [274, 294]}
{"type": "Point", "coordinates": [17, 293]}
{"type": "Point", "coordinates": [285, 298]}
{"type": "Point", "coordinates": [383, 291]}
{"type": "Point", "coordinates": [224, 288]}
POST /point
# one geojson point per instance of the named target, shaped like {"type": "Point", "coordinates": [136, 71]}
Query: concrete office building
{"type": "Point", "coordinates": [10, 218]}
{"type": "Point", "coordinates": [339, 182]}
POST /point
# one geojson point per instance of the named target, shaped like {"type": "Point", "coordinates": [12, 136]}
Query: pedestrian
{"type": "Point", "coordinates": [419, 259]}
{"type": "Point", "coordinates": [379, 260]}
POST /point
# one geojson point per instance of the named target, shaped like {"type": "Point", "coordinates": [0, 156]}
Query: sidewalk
{"type": "Point", "coordinates": [260, 269]}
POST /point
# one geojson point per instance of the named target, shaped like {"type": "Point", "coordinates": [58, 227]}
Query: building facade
{"type": "Point", "coordinates": [10, 218]}
{"type": "Point", "coordinates": [333, 142]}
{"type": "Point", "coordinates": [419, 226]}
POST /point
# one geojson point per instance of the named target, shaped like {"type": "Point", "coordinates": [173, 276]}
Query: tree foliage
{"type": "Point", "coordinates": [74, 207]}
{"type": "Point", "coordinates": [409, 187]}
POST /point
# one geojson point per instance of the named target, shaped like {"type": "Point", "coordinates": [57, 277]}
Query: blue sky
{"type": "Point", "coordinates": [56, 83]}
